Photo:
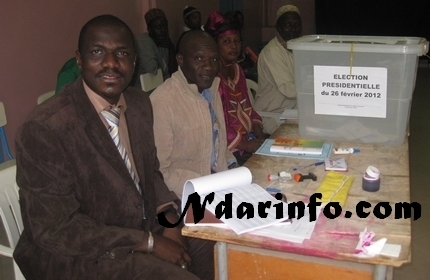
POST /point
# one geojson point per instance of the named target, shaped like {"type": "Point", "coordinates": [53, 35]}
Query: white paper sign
{"type": "Point", "coordinates": [361, 92]}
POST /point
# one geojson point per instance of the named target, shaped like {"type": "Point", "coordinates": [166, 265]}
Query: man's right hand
{"type": "Point", "coordinates": [251, 146]}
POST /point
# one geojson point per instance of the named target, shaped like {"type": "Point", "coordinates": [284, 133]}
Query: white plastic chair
{"type": "Point", "coordinates": [150, 81]}
{"type": "Point", "coordinates": [252, 90]}
{"type": "Point", "coordinates": [42, 98]}
{"type": "Point", "coordinates": [4, 145]}
{"type": "Point", "coordinates": [253, 87]}
{"type": "Point", "coordinates": [10, 214]}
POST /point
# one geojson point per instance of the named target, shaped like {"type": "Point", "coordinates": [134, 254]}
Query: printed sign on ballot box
{"type": "Point", "coordinates": [350, 91]}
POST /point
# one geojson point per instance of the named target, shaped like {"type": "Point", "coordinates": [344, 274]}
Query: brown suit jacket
{"type": "Point", "coordinates": [79, 203]}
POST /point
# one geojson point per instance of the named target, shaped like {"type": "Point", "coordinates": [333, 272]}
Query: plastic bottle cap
{"type": "Point", "coordinates": [272, 177]}
{"type": "Point", "coordinates": [372, 172]}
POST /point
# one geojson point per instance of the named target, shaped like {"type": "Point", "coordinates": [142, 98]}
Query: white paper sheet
{"type": "Point", "coordinates": [296, 232]}
{"type": "Point", "coordinates": [238, 183]}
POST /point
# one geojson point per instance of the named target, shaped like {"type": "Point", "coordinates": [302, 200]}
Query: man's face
{"type": "Point", "coordinates": [158, 29]}
{"type": "Point", "coordinates": [194, 21]}
{"type": "Point", "coordinates": [289, 26]}
{"type": "Point", "coordinates": [199, 62]}
{"type": "Point", "coordinates": [106, 61]}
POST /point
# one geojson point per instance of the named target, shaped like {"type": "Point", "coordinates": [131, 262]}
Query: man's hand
{"type": "Point", "coordinates": [257, 129]}
{"type": "Point", "coordinates": [175, 233]}
{"type": "Point", "coordinates": [171, 251]}
{"type": "Point", "coordinates": [250, 146]}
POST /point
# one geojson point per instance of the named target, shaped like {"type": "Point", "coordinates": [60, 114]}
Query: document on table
{"type": "Point", "coordinates": [245, 196]}
{"type": "Point", "coordinates": [265, 151]}
{"type": "Point", "coordinates": [297, 231]}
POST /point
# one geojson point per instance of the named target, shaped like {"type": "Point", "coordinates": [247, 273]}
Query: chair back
{"type": "Point", "coordinates": [150, 81]}
{"type": "Point", "coordinates": [4, 145]}
{"type": "Point", "coordinates": [42, 98]}
{"type": "Point", "coordinates": [252, 90]}
{"type": "Point", "coordinates": [10, 214]}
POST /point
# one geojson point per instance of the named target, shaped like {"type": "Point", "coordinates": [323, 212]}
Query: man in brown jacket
{"type": "Point", "coordinates": [89, 212]}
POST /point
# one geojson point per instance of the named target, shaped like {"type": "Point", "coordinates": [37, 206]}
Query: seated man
{"type": "Point", "coordinates": [67, 74]}
{"type": "Point", "coordinates": [189, 124]}
{"type": "Point", "coordinates": [90, 187]}
{"type": "Point", "coordinates": [276, 89]}
{"type": "Point", "coordinates": [155, 49]}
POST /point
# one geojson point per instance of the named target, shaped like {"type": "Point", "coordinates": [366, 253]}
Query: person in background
{"type": "Point", "coordinates": [276, 89]}
{"type": "Point", "coordinates": [192, 18]}
{"type": "Point", "coordinates": [189, 124]}
{"type": "Point", "coordinates": [248, 58]}
{"type": "Point", "coordinates": [155, 50]}
{"type": "Point", "coordinates": [244, 125]}
{"type": "Point", "coordinates": [89, 184]}
{"type": "Point", "coordinates": [67, 74]}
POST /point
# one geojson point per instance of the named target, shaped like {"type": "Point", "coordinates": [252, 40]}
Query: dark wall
{"type": "Point", "coordinates": [410, 18]}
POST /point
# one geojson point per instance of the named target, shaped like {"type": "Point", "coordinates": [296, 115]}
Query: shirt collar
{"type": "Point", "coordinates": [282, 41]}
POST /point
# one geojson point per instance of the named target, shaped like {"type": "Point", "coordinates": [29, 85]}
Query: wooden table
{"type": "Point", "coordinates": [329, 254]}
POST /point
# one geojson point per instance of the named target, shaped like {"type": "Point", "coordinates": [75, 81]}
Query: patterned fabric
{"type": "Point", "coordinates": [238, 112]}
{"type": "Point", "coordinates": [112, 117]}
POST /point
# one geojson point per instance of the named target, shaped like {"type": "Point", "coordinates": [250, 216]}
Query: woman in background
{"type": "Point", "coordinates": [244, 125]}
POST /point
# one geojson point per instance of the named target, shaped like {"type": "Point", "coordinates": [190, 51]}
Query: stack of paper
{"type": "Point", "coordinates": [236, 183]}
{"type": "Point", "coordinates": [244, 197]}
{"type": "Point", "coordinates": [296, 231]}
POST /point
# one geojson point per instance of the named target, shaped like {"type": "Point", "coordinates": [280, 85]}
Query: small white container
{"type": "Point", "coordinates": [371, 181]}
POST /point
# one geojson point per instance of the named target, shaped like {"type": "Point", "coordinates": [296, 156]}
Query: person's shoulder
{"type": "Point", "coordinates": [167, 90]}
{"type": "Point", "coordinates": [144, 37]}
{"type": "Point", "coordinates": [271, 45]}
{"type": "Point", "coordinates": [137, 99]}
{"type": "Point", "coordinates": [70, 64]}
{"type": "Point", "coordinates": [272, 51]}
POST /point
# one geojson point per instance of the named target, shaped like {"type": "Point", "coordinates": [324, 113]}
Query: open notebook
{"type": "Point", "coordinates": [238, 183]}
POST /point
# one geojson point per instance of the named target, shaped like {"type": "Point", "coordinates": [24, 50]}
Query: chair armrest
{"type": "Point", "coordinates": [6, 251]}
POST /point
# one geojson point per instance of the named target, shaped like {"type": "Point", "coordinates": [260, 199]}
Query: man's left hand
{"type": "Point", "coordinates": [175, 233]}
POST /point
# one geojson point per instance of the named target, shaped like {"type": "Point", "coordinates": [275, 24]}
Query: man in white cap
{"type": "Point", "coordinates": [276, 89]}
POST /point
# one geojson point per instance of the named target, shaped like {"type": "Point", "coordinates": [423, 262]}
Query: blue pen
{"type": "Point", "coordinates": [313, 164]}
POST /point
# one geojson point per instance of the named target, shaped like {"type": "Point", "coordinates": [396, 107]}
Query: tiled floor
{"type": "Point", "coordinates": [419, 161]}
